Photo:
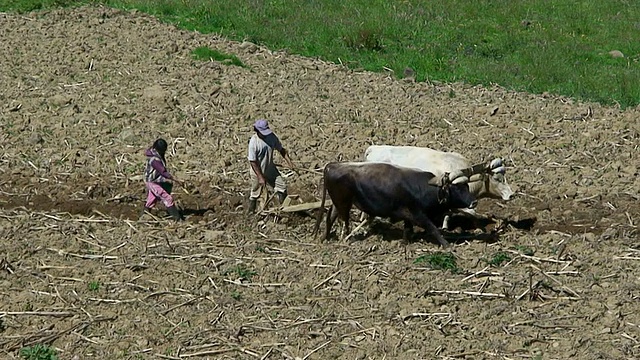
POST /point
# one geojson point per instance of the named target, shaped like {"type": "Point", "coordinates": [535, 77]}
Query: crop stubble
{"type": "Point", "coordinates": [79, 271]}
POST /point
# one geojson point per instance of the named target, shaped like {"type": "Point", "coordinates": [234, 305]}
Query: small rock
{"type": "Point", "coordinates": [205, 289]}
{"type": "Point", "coordinates": [409, 72]}
{"type": "Point", "coordinates": [36, 138]}
{"type": "Point", "coordinates": [616, 54]}
{"type": "Point", "coordinates": [155, 92]}
{"type": "Point", "coordinates": [59, 100]}
{"type": "Point", "coordinates": [143, 343]}
{"type": "Point", "coordinates": [373, 292]}
{"type": "Point", "coordinates": [586, 182]}
{"type": "Point", "coordinates": [127, 273]}
{"type": "Point", "coordinates": [249, 46]}
{"type": "Point", "coordinates": [126, 135]}
{"type": "Point", "coordinates": [440, 300]}
{"type": "Point", "coordinates": [172, 49]}
{"type": "Point", "coordinates": [536, 352]}
{"type": "Point", "coordinates": [94, 22]}
{"type": "Point", "coordinates": [609, 234]}
{"type": "Point", "coordinates": [616, 165]}
{"type": "Point", "coordinates": [631, 170]}
{"type": "Point", "coordinates": [544, 206]}
{"type": "Point", "coordinates": [213, 235]}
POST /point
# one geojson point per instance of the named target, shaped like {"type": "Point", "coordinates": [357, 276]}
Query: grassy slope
{"type": "Point", "coordinates": [536, 45]}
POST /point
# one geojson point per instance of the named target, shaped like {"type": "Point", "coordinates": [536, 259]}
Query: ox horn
{"type": "Point", "coordinates": [460, 180]}
{"type": "Point", "coordinates": [455, 175]}
{"type": "Point", "coordinates": [499, 170]}
{"type": "Point", "coordinates": [475, 177]}
{"type": "Point", "coordinates": [495, 163]}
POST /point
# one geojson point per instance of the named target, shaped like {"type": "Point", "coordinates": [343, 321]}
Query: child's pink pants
{"type": "Point", "coordinates": [155, 193]}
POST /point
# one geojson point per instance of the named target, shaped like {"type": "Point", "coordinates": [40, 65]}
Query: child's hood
{"type": "Point", "coordinates": [151, 152]}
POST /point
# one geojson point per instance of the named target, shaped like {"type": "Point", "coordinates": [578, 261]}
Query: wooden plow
{"type": "Point", "coordinates": [296, 208]}
{"type": "Point", "coordinates": [268, 195]}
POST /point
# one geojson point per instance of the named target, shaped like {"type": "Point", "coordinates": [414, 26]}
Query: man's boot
{"type": "Point", "coordinates": [281, 196]}
{"type": "Point", "coordinates": [175, 213]}
{"type": "Point", "coordinates": [252, 206]}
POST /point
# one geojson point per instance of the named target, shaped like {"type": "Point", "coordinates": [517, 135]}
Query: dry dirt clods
{"type": "Point", "coordinates": [78, 271]}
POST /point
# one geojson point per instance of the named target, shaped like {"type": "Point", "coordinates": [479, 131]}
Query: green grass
{"type": "Point", "coordinates": [206, 54]}
{"type": "Point", "coordinates": [525, 250]}
{"type": "Point", "coordinates": [439, 261]}
{"type": "Point", "coordinates": [554, 46]}
{"type": "Point", "coordinates": [38, 352]}
{"type": "Point", "coordinates": [236, 295]}
{"type": "Point", "coordinates": [498, 258]}
{"type": "Point", "coordinates": [93, 286]}
{"type": "Point", "coordinates": [241, 271]}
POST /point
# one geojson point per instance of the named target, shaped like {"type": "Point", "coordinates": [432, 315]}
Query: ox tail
{"type": "Point", "coordinates": [320, 211]}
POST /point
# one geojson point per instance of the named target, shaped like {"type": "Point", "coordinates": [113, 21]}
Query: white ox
{"type": "Point", "coordinates": [485, 180]}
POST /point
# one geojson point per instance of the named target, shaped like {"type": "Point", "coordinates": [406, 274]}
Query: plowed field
{"type": "Point", "coordinates": [83, 92]}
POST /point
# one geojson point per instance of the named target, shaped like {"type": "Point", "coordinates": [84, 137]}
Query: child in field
{"type": "Point", "coordinates": [156, 178]}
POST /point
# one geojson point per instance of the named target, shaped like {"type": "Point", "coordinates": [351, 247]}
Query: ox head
{"type": "Point", "coordinates": [489, 180]}
{"type": "Point", "coordinates": [454, 191]}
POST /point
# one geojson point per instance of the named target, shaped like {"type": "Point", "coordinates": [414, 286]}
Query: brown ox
{"type": "Point", "coordinates": [389, 191]}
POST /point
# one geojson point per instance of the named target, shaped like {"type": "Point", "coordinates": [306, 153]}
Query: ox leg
{"type": "Point", "coordinates": [445, 222]}
{"type": "Point", "coordinates": [426, 223]}
{"type": "Point", "coordinates": [368, 224]}
{"type": "Point", "coordinates": [346, 229]}
{"type": "Point", "coordinates": [341, 209]}
{"type": "Point", "coordinates": [407, 232]}
{"type": "Point", "coordinates": [332, 214]}
{"type": "Point", "coordinates": [319, 215]}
